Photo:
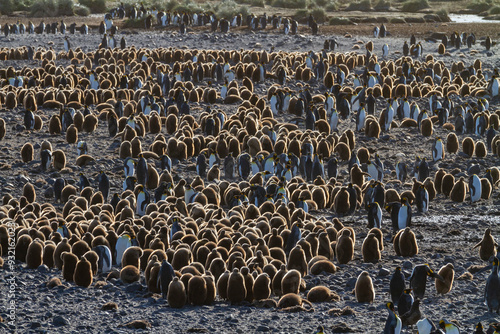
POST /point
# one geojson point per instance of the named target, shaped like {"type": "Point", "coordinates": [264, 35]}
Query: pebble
{"type": "Point", "coordinates": [43, 269]}
{"type": "Point", "coordinates": [407, 265]}
{"type": "Point", "coordinates": [384, 272]}
{"type": "Point", "coordinates": [60, 321]}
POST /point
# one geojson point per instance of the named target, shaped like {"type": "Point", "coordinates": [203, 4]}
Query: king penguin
{"type": "Point", "coordinates": [143, 199]}
{"type": "Point", "coordinates": [438, 150]}
{"type": "Point", "coordinates": [418, 279]}
{"type": "Point", "coordinates": [397, 285]}
{"type": "Point", "coordinates": [104, 185]}
{"type": "Point", "coordinates": [123, 242]}
{"type": "Point", "coordinates": [374, 215]}
{"type": "Point", "coordinates": [404, 214]}
{"type": "Point", "coordinates": [422, 199]}
{"type": "Point", "coordinates": [475, 188]}
{"type": "Point", "coordinates": [492, 290]}
{"type": "Point", "coordinates": [104, 262]}
{"type": "Point", "coordinates": [142, 170]}
{"type": "Point", "coordinates": [393, 323]}
{"type": "Point", "coordinates": [46, 159]}
{"type": "Point", "coordinates": [129, 167]}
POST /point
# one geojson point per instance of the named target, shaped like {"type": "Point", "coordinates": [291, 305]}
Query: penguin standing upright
{"type": "Point", "coordinates": [143, 199]}
{"type": "Point", "coordinates": [492, 291]}
{"type": "Point", "coordinates": [104, 185]}
{"type": "Point", "coordinates": [438, 150]}
{"type": "Point", "coordinates": [129, 167]}
{"type": "Point", "coordinates": [374, 215]}
{"type": "Point", "coordinates": [142, 170]}
{"type": "Point", "coordinates": [393, 323]}
{"type": "Point", "coordinates": [123, 242]}
{"type": "Point", "coordinates": [46, 156]}
{"type": "Point", "coordinates": [404, 214]}
{"type": "Point", "coordinates": [475, 188]}
{"type": "Point", "coordinates": [201, 165]}
{"type": "Point", "coordinates": [418, 279]}
{"type": "Point", "coordinates": [401, 171]}
{"type": "Point", "coordinates": [67, 44]}
{"type": "Point", "coordinates": [422, 199]}
{"type": "Point", "coordinates": [397, 285]}
{"type": "Point", "coordinates": [405, 302]}
{"type": "Point", "coordinates": [165, 276]}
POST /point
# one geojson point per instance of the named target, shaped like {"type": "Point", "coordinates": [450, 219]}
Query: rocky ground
{"type": "Point", "coordinates": [446, 234]}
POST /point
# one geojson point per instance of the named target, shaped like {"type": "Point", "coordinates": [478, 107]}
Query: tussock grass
{"type": "Point", "coordinates": [95, 6]}
{"type": "Point", "coordinates": [362, 6]}
{"type": "Point", "coordinates": [413, 6]}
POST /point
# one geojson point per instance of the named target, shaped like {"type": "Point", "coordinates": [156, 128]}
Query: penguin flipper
{"type": "Point", "coordinates": [478, 244]}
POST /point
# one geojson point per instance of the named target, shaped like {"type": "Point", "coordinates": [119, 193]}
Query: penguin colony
{"type": "Point", "coordinates": [244, 227]}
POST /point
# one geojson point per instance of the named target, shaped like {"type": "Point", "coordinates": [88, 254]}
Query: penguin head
{"type": "Point", "coordinates": [495, 261]}
{"type": "Point", "coordinates": [390, 306]}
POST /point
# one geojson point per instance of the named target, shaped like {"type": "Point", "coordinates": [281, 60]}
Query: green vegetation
{"type": "Point", "coordinates": [43, 8]}
{"type": "Point", "coordinates": [339, 21]}
{"type": "Point", "coordinates": [362, 6]}
{"type": "Point", "coordinates": [495, 10]}
{"type": "Point", "coordinates": [382, 5]}
{"type": "Point", "coordinates": [414, 6]}
{"type": "Point", "coordinates": [81, 10]}
{"type": "Point", "coordinates": [65, 7]}
{"type": "Point", "coordinates": [254, 3]}
{"type": "Point", "coordinates": [95, 6]}
{"type": "Point", "coordinates": [443, 15]}
{"type": "Point", "coordinates": [479, 6]}
{"type": "Point", "coordinates": [290, 4]}
{"type": "Point", "coordinates": [134, 23]}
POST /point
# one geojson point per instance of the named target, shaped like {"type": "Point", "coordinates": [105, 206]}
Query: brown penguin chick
{"type": "Point", "coordinates": [321, 266]}
{"type": "Point", "coordinates": [379, 235]}
{"type": "Point", "coordinates": [481, 150]}
{"type": "Point", "coordinates": [343, 150]}
{"type": "Point", "coordinates": [262, 287]}
{"type": "Point", "coordinates": [53, 282]}
{"type": "Point", "coordinates": [27, 152]}
{"type": "Point", "coordinates": [22, 244]}
{"type": "Point", "coordinates": [444, 286]}
{"type": "Point", "coordinates": [459, 191]}
{"type": "Point", "coordinates": [438, 180]}
{"type": "Point", "coordinates": [426, 127]}
{"type": "Point", "coordinates": [72, 134]}
{"type": "Point", "coordinates": [83, 273]}
{"type": "Point", "coordinates": [182, 257]}
{"type": "Point", "coordinates": [276, 281]}
{"type": "Point", "coordinates": [222, 284]}
{"type": "Point", "coordinates": [153, 278]}
{"type": "Point", "coordinates": [176, 295]}
{"type": "Point", "coordinates": [297, 260]}
{"type": "Point", "coordinates": [342, 201]}
{"type": "Point", "coordinates": [38, 123]}
{"type": "Point", "coordinates": [125, 149]}
{"type": "Point", "coordinates": [468, 146]}
{"type": "Point", "coordinates": [487, 246]}
{"type": "Point", "coordinates": [325, 246]}
{"type": "Point", "coordinates": [236, 291]}
{"type": "Point", "coordinates": [130, 274]}
{"type": "Point", "coordinates": [293, 302]}
{"type": "Point", "coordinates": [34, 255]}
{"type": "Point", "coordinates": [29, 192]}
{"type": "Point", "coordinates": [364, 291]}
{"type": "Point", "coordinates": [486, 188]}
{"type": "Point", "coordinates": [370, 249]}
{"type": "Point", "coordinates": [55, 126]}
{"type": "Point", "coordinates": [363, 155]}
{"type": "Point", "coordinates": [213, 173]}
{"type": "Point", "coordinates": [357, 176]}
{"type": "Point", "coordinates": [61, 247]}
{"type": "Point", "coordinates": [345, 247]}
{"type": "Point", "coordinates": [69, 264]}
{"type": "Point", "coordinates": [447, 183]}
{"type": "Point", "coordinates": [407, 243]}
{"type": "Point", "coordinates": [211, 290]}
{"type": "Point", "coordinates": [248, 283]}
{"type": "Point", "coordinates": [197, 290]}
{"type": "Point", "coordinates": [90, 123]}
{"type": "Point", "coordinates": [291, 281]}
{"type": "Point", "coordinates": [321, 294]}
{"type": "Point", "coordinates": [2, 128]}
{"type": "Point", "coordinates": [79, 248]}
{"type": "Point", "coordinates": [452, 143]}
{"type": "Point", "coordinates": [48, 254]}
{"type": "Point", "coordinates": [93, 258]}
{"type": "Point", "coordinates": [59, 159]}
{"type": "Point", "coordinates": [132, 256]}
{"type": "Point", "coordinates": [441, 49]}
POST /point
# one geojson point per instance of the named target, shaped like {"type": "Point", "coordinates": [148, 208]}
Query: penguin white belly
{"type": "Point", "coordinates": [402, 217]}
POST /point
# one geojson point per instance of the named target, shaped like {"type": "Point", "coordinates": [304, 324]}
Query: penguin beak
{"type": "Point", "coordinates": [434, 275]}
